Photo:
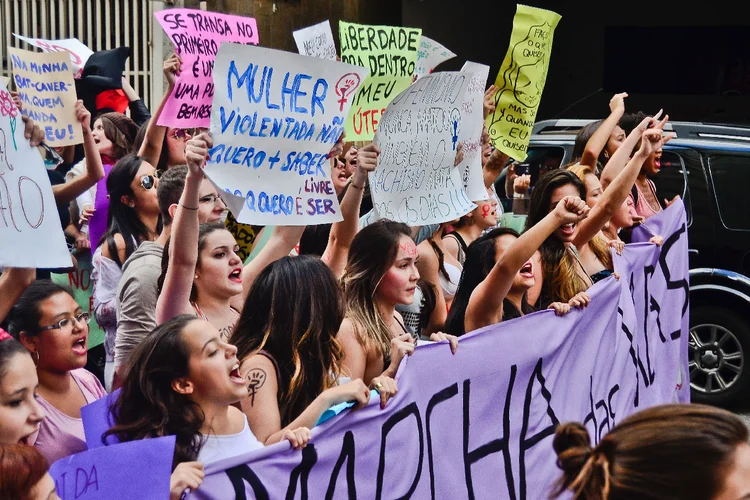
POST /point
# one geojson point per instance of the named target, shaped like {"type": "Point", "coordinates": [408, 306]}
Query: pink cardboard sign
{"type": "Point", "coordinates": [196, 36]}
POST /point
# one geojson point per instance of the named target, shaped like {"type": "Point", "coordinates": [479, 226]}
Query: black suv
{"type": "Point", "coordinates": [709, 166]}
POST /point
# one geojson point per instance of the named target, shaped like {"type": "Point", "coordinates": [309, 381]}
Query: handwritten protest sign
{"type": "Point", "coordinates": [431, 54]}
{"type": "Point", "coordinates": [416, 181]}
{"type": "Point", "coordinates": [316, 41]}
{"type": "Point", "coordinates": [127, 471]}
{"type": "Point", "coordinates": [521, 80]}
{"type": "Point", "coordinates": [197, 35]}
{"type": "Point", "coordinates": [473, 122]}
{"type": "Point", "coordinates": [30, 230]}
{"type": "Point", "coordinates": [390, 53]}
{"type": "Point", "coordinates": [480, 423]}
{"type": "Point", "coordinates": [48, 94]}
{"type": "Point", "coordinates": [276, 117]}
{"type": "Point", "coordinates": [80, 283]}
{"type": "Point", "coordinates": [79, 53]}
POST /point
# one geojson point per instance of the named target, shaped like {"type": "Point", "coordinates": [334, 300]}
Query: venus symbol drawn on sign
{"type": "Point", "coordinates": [345, 87]}
{"type": "Point", "coordinates": [455, 116]}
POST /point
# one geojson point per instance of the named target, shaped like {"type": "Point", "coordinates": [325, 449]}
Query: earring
{"type": "Point", "coordinates": [132, 205]}
{"type": "Point", "coordinates": [606, 155]}
{"type": "Point", "coordinates": [196, 277]}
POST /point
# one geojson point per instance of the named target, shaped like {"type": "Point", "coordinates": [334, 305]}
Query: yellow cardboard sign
{"type": "Point", "coordinates": [44, 82]}
{"type": "Point", "coordinates": [521, 80]}
{"type": "Point", "coordinates": [244, 234]}
{"type": "Point", "coordinates": [390, 53]}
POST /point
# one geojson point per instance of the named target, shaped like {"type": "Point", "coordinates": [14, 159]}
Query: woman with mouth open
{"type": "Point", "coordinates": [564, 272]}
{"type": "Point", "coordinates": [184, 380]}
{"type": "Point", "coordinates": [54, 329]}
{"type": "Point", "coordinates": [499, 272]}
{"type": "Point", "coordinates": [201, 271]}
{"type": "Point", "coordinates": [20, 412]}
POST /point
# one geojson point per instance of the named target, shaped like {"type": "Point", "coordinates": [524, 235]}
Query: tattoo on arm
{"type": "Point", "coordinates": [256, 377]}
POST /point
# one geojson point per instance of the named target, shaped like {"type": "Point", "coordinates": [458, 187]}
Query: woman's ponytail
{"type": "Point", "coordinates": [585, 470]}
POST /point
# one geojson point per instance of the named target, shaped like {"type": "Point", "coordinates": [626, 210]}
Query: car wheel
{"type": "Point", "coordinates": [718, 347]}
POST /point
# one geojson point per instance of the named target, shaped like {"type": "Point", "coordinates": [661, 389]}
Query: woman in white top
{"type": "Point", "coordinates": [183, 380]}
{"type": "Point", "coordinates": [440, 268]}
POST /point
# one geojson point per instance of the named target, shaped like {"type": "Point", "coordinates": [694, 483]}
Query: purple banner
{"type": "Point", "coordinates": [479, 424]}
{"type": "Point", "coordinates": [128, 471]}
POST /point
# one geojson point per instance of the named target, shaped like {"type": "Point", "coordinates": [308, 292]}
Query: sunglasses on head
{"type": "Point", "coordinates": [149, 181]}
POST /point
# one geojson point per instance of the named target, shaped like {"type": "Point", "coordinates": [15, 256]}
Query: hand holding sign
{"type": "Point", "coordinates": [197, 35]}
{"type": "Point", "coordinates": [401, 347]}
{"type": "Point", "coordinates": [298, 437]}
{"type": "Point", "coordinates": [187, 475]}
{"type": "Point", "coordinates": [354, 390]}
{"type": "Point", "coordinates": [386, 387]}
{"type": "Point", "coordinates": [489, 101]}
{"type": "Point", "coordinates": [32, 132]}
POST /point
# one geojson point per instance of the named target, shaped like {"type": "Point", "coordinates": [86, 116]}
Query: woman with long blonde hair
{"type": "Point", "coordinates": [381, 272]}
{"type": "Point", "coordinates": [565, 274]}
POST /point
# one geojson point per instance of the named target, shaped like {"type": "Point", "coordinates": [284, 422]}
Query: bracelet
{"type": "Point", "coordinates": [188, 208]}
{"type": "Point", "coordinates": [355, 186]}
{"type": "Point", "coordinates": [518, 196]}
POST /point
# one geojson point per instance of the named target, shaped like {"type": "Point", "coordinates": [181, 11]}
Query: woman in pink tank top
{"type": "Point", "coordinates": [53, 327]}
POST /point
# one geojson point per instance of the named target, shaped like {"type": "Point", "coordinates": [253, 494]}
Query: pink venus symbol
{"type": "Point", "coordinates": [345, 87]}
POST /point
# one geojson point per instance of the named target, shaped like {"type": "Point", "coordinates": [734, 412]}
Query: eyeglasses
{"type": "Point", "coordinates": [83, 319]}
{"type": "Point", "coordinates": [210, 198]}
{"type": "Point", "coordinates": [149, 181]}
{"type": "Point", "coordinates": [183, 133]}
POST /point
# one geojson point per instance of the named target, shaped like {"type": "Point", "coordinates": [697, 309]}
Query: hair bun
{"type": "Point", "coordinates": [572, 444]}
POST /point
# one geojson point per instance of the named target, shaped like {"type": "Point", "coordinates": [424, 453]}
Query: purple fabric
{"type": "Point", "coordinates": [98, 222]}
{"type": "Point", "coordinates": [481, 422]}
{"type": "Point", "coordinates": [97, 420]}
{"type": "Point", "coordinates": [128, 471]}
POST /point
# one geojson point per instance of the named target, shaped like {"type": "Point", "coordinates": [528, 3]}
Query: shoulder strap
{"type": "Point", "coordinates": [268, 356]}
{"type": "Point", "coordinates": [460, 240]}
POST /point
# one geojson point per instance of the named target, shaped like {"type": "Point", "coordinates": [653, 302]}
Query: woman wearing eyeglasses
{"type": "Point", "coordinates": [134, 217]}
{"type": "Point", "coordinates": [53, 327]}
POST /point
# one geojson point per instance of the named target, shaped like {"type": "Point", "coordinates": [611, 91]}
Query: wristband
{"type": "Point", "coordinates": [518, 196]}
{"type": "Point", "coordinates": [188, 208]}
{"type": "Point", "coordinates": [355, 186]}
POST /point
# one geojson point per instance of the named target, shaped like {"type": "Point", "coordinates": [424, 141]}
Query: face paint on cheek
{"type": "Point", "coordinates": [486, 209]}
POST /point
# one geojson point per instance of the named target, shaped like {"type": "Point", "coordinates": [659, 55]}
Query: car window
{"type": "Point", "coordinates": [539, 160]}
{"type": "Point", "coordinates": [730, 176]}
{"type": "Point", "coordinates": [670, 181]}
